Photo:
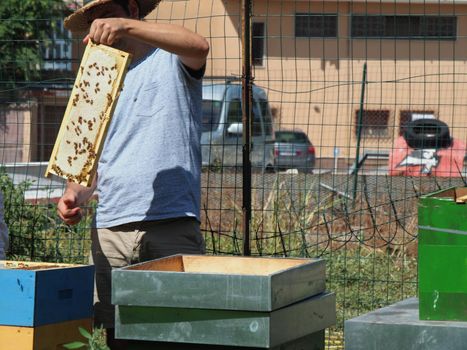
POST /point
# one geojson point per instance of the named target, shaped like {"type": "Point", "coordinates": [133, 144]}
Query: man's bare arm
{"type": "Point", "coordinates": [192, 48]}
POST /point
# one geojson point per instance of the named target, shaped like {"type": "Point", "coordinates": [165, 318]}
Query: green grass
{"type": "Point", "coordinates": [365, 280]}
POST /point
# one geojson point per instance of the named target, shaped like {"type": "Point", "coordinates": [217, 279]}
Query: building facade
{"type": "Point", "coordinates": [309, 56]}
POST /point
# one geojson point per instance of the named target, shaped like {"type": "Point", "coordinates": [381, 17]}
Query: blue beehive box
{"type": "Point", "coordinates": [36, 294]}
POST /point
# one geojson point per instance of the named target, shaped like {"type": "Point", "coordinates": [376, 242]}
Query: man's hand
{"type": "Point", "coordinates": [68, 208]}
{"type": "Point", "coordinates": [107, 31]}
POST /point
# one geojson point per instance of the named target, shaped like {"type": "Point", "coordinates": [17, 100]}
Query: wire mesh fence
{"type": "Point", "coordinates": [357, 109]}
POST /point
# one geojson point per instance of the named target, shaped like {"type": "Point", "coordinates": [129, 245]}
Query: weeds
{"type": "Point", "coordinates": [95, 340]}
{"type": "Point", "coordinates": [35, 230]}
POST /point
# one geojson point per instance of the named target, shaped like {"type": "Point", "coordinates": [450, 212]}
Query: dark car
{"type": "Point", "coordinates": [293, 150]}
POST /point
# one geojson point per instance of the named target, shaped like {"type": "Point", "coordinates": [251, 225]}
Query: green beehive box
{"type": "Point", "coordinates": [442, 255]}
{"type": "Point", "coordinates": [226, 327]}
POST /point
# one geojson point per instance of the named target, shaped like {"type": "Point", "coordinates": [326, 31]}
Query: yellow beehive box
{"type": "Point", "coordinates": [48, 337]}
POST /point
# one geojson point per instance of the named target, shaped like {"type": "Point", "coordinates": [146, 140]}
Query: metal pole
{"type": "Point", "coordinates": [246, 120]}
{"type": "Point", "coordinates": [359, 134]}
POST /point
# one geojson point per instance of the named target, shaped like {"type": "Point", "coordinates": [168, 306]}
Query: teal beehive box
{"type": "Point", "coordinates": [222, 300]}
{"type": "Point", "coordinates": [442, 255]}
{"type": "Point", "coordinates": [35, 294]}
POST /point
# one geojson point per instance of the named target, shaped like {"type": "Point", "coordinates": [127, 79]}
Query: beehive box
{"type": "Point", "coordinates": [314, 341]}
{"type": "Point", "coordinates": [442, 252]}
{"type": "Point", "coordinates": [48, 337]}
{"type": "Point", "coordinates": [216, 300]}
{"type": "Point", "coordinates": [37, 294]}
{"type": "Point", "coordinates": [88, 113]}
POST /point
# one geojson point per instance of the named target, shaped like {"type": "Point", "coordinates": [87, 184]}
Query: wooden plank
{"type": "Point", "coordinates": [226, 327]}
{"type": "Point", "coordinates": [217, 288]}
{"type": "Point", "coordinates": [173, 263]}
{"type": "Point", "coordinates": [222, 264]}
{"type": "Point", "coordinates": [49, 337]}
{"type": "Point", "coordinates": [32, 266]}
{"type": "Point", "coordinates": [240, 265]}
{"type": "Point", "coordinates": [87, 116]}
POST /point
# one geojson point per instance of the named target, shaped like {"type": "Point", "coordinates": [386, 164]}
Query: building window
{"type": "Point", "coordinates": [375, 123]}
{"type": "Point", "coordinates": [50, 119]}
{"type": "Point", "coordinates": [57, 50]}
{"type": "Point", "coordinates": [315, 25]}
{"type": "Point", "coordinates": [404, 27]}
{"type": "Point", "coordinates": [258, 43]}
{"type": "Point", "coordinates": [408, 116]}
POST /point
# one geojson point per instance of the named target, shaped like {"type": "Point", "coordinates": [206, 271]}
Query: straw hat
{"type": "Point", "coordinates": [79, 20]}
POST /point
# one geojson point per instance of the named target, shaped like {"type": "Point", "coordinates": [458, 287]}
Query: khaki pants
{"type": "Point", "coordinates": [132, 243]}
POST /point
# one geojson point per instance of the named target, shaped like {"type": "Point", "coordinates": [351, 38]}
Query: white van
{"type": "Point", "coordinates": [221, 140]}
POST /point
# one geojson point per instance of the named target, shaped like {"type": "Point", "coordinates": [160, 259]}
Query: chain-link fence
{"type": "Point", "coordinates": [356, 109]}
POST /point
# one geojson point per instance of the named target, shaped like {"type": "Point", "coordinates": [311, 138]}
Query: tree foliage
{"type": "Point", "coordinates": [25, 29]}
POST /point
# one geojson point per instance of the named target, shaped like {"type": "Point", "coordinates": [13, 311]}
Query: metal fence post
{"type": "Point", "coordinates": [359, 134]}
{"type": "Point", "coordinates": [246, 120]}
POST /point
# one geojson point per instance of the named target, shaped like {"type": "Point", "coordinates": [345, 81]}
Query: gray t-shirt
{"type": "Point", "coordinates": [150, 166]}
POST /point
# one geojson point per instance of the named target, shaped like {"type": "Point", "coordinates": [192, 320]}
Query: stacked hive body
{"type": "Point", "coordinates": [42, 305]}
{"type": "Point", "coordinates": [433, 321]}
{"type": "Point", "coordinates": [398, 327]}
{"type": "Point", "coordinates": [228, 301]}
{"type": "Point", "coordinates": [442, 255]}
{"type": "Point", "coordinates": [87, 116]}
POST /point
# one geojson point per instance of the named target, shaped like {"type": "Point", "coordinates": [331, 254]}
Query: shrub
{"type": "Point", "coordinates": [36, 232]}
